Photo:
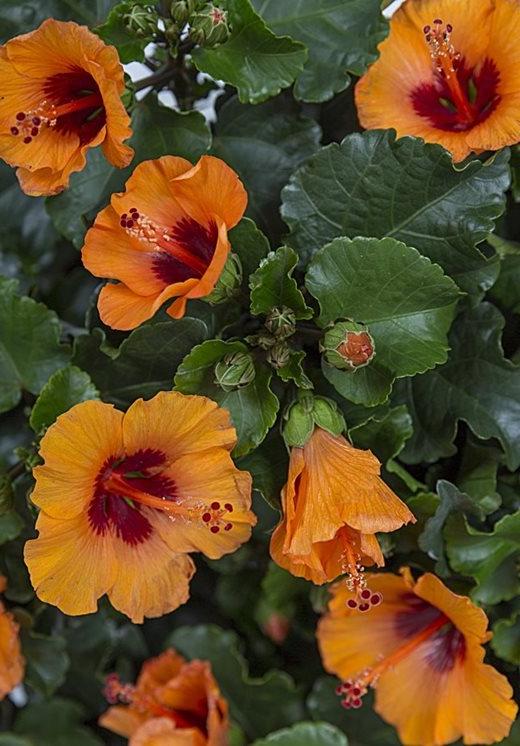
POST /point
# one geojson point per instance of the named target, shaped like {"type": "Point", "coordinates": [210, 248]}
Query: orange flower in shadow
{"type": "Point", "coordinates": [333, 504]}
{"type": "Point", "coordinates": [448, 72]}
{"type": "Point", "coordinates": [12, 663]}
{"type": "Point", "coordinates": [60, 95]}
{"type": "Point", "coordinates": [125, 497]}
{"type": "Point", "coordinates": [165, 237]}
{"type": "Point", "coordinates": [422, 651]}
{"type": "Point", "coordinates": [174, 703]}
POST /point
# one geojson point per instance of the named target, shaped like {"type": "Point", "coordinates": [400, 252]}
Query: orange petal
{"type": "Point", "coordinates": [122, 720]}
{"type": "Point", "coordinates": [12, 664]}
{"type": "Point", "coordinates": [160, 670]}
{"type": "Point", "coordinates": [162, 732]}
{"type": "Point", "coordinates": [74, 450]}
{"type": "Point", "coordinates": [120, 308]}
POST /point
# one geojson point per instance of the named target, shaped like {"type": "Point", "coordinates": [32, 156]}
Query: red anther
{"type": "Point", "coordinates": [364, 607]}
{"type": "Point", "coordinates": [340, 689]}
{"type": "Point", "coordinates": [365, 594]}
{"type": "Point", "coordinates": [449, 28]}
{"type": "Point", "coordinates": [15, 131]}
{"type": "Point", "coordinates": [427, 29]}
{"type": "Point", "coordinates": [352, 603]}
{"type": "Point", "coordinates": [27, 140]}
{"type": "Point", "coordinates": [135, 215]}
{"type": "Point", "coordinates": [356, 691]}
{"type": "Point", "coordinates": [20, 116]}
{"type": "Point", "coordinates": [122, 223]}
{"type": "Point", "coordinates": [215, 506]}
{"type": "Point", "coordinates": [34, 131]}
{"type": "Point", "coordinates": [356, 703]}
{"type": "Point", "coordinates": [376, 599]}
{"type": "Point", "coordinates": [228, 527]}
{"type": "Point", "coordinates": [206, 517]}
{"type": "Point", "coordinates": [345, 703]}
{"type": "Point", "coordinates": [228, 507]}
{"type": "Point", "coordinates": [214, 529]}
{"type": "Point", "coordinates": [124, 216]}
{"type": "Point", "coordinates": [129, 223]}
{"type": "Point", "coordinates": [133, 209]}
{"type": "Point", "coordinates": [438, 22]}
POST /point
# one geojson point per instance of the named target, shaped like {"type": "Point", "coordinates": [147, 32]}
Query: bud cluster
{"type": "Point", "coordinates": [235, 371]}
{"type": "Point", "coordinates": [142, 20]}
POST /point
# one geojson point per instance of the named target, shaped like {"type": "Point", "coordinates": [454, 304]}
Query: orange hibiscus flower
{"type": "Point", "coordinates": [174, 703]}
{"type": "Point", "coordinates": [449, 73]}
{"type": "Point", "coordinates": [422, 651]}
{"type": "Point", "coordinates": [12, 663]}
{"type": "Point", "coordinates": [333, 504]}
{"type": "Point", "coordinates": [60, 95]}
{"type": "Point", "coordinates": [165, 237]}
{"type": "Point", "coordinates": [125, 497]}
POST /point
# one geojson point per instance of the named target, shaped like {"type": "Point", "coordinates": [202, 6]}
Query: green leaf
{"type": "Point", "coordinates": [62, 391]}
{"type": "Point", "coordinates": [293, 370]}
{"type": "Point", "coordinates": [30, 349]}
{"type": "Point", "coordinates": [253, 408]}
{"type": "Point", "coordinates": [384, 435]}
{"type": "Point", "coordinates": [506, 290]}
{"type": "Point", "coordinates": [145, 362]}
{"type": "Point", "coordinates": [490, 558]}
{"type": "Point", "coordinates": [11, 526]}
{"type": "Point", "coordinates": [250, 244]}
{"type": "Point", "coordinates": [157, 131]}
{"type": "Point", "coordinates": [9, 739]}
{"type": "Point", "coordinates": [273, 286]}
{"type": "Point", "coordinates": [258, 705]}
{"type": "Point", "coordinates": [114, 31]}
{"type": "Point", "coordinates": [373, 185]}
{"type": "Point", "coordinates": [478, 474]}
{"type": "Point", "coordinates": [280, 594]}
{"type": "Point", "coordinates": [253, 60]}
{"type": "Point", "coordinates": [19, 17]}
{"type": "Point", "coordinates": [477, 385]}
{"type": "Point", "coordinates": [369, 385]}
{"type": "Point", "coordinates": [305, 734]}
{"type": "Point", "coordinates": [506, 638]}
{"type": "Point", "coordinates": [47, 662]}
{"type": "Point", "coordinates": [264, 144]}
{"type": "Point", "coordinates": [340, 36]}
{"type": "Point", "coordinates": [268, 465]}
{"type": "Point", "coordinates": [55, 722]}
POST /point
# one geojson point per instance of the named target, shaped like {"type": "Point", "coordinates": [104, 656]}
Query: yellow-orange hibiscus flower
{"type": "Point", "coordinates": [333, 504]}
{"type": "Point", "coordinates": [165, 237]}
{"type": "Point", "coordinates": [174, 703]}
{"type": "Point", "coordinates": [60, 95]}
{"type": "Point", "coordinates": [125, 497]}
{"type": "Point", "coordinates": [422, 651]}
{"type": "Point", "coordinates": [12, 663]}
{"type": "Point", "coordinates": [448, 72]}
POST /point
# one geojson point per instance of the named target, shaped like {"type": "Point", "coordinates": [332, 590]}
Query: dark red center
{"type": "Point", "coordinates": [68, 89]}
{"type": "Point", "coordinates": [119, 515]}
{"type": "Point", "coordinates": [196, 240]}
{"type": "Point", "coordinates": [434, 101]}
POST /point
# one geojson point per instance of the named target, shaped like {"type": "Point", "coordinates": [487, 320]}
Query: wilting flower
{"type": "Point", "coordinates": [333, 504]}
{"type": "Point", "coordinates": [174, 703]}
{"type": "Point", "coordinates": [165, 237]}
{"type": "Point", "coordinates": [12, 664]}
{"type": "Point", "coordinates": [422, 651]}
{"type": "Point", "coordinates": [125, 497]}
{"type": "Point", "coordinates": [449, 73]}
{"type": "Point", "coordinates": [60, 95]}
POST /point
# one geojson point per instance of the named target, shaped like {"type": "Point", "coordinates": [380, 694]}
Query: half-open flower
{"type": "Point", "coordinates": [333, 504]}
{"type": "Point", "coordinates": [125, 497]}
{"type": "Point", "coordinates": [12, 663]}
{"type": "Point", "coordinates": [165, 237]}
{"type": "Point", "coordinates": [422, 651]}
{"type": "Point", "coordinates": [174, 703]}
{"type": "Point", "coordinates": [448, 72]}
{"type": "Point", "coordinates": [60, 95]}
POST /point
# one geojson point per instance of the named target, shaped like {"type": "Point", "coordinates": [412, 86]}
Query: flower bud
{"type": "Point", "coordinates": [309, 412]}
{"type": "Point", "coordinates": [182, 10]}
{"type": "Point", "coordinates": [6, 494]}
{"type": "Point", "coordinates": [209, 26]}
{"type": "Point", "coordinates": [281, 322]}
{"type": "Point", "coordinates": [235, 371]}
{"type": "Point", "coordinates": [142, 21]}
{"type": "Point", "coordinates": [279, 355]}
{"type": "Point", "coordinates": [348, 346]}
{"type": "Point", "coordinates": [229, 281]}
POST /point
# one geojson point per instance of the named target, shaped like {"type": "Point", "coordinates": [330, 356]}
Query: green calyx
{"type": "Point", "coordinates": [348, 346]}
{"type": "Point", "coordinates": [228, 283]}
{"type": "Point", "coordinates": [281, 322]}
{"type": "Point", "coordinates": [142, 20]}
{"type": "Point", "coordinates": [279, 355]}
{"type": "Point", "coordinates": [309, 412]}
{"type": "Point", "coordinates": [235, 371]}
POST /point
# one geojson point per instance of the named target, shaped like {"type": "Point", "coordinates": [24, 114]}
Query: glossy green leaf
{"type": "Point", "coordinates": [294, 370]}
{"type": "Point", "coordinates": [11, 526]}
{"type": "Point", "coordinates": [374, 185]}
{"type": "Point", "coordinates": [255, 61]}
{"type": "Point", "coordinates": [268, 465]}
{"type": "Point", "coordinates": [273, 286]}
{"type": "Point", "coordinates": [258, 705]}
{"type": "Point", "coordinates": [250, 244]}
{"type": "Point", "coordinates": [478, 474]}
{"type": "Point", "coordinates": [506, 290]}
{"type": "Point", "coordinates": [369, 385]}
{"type": "Point", "coordinates": [114, 31]}
{"type": "Point", "coordinates": [55, 722]}
{"type": "Point", "coordinates": [62, 391]}
{"type": "Point", "coordinates": [143, 365]}
{"type": "Point", "coordinates": [264, 144]}
{"type": "Point", "coordinates": [341, 37]}
{"type": "Point", "coordinates": [506, 637]}
{"type": "Point", "coordinates": [384, 435]}
{"type": "Point", "coordinates": [47, 662]}
{"type": "Point", "coordinates": [18, 17]}
{"type": "Point", "coordinates": [30, 349]}
{"type": "Point", "coordinates": [477, 385]}
{"type": "Point", "coordinates": [253, 408]}
{"type": "Point", "coordinates": [305, 734]}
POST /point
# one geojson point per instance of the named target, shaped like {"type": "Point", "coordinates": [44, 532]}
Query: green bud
{"type": "Point", "coordinates": [299, 426]}
{"type": "Point", "coordinates": [309, 412]}
{"type": "Point", "coordinates": [209, 26]}
{"type": "Point", "coordinates": [281, 322]}
{"type": "Point", "coordinates": [279, 355]}
{"type": "Point", "coordinates": [182, 10]}
{"type": "Point", "coordinates": [327, 415]}
{"type": "Point", "coordinates": [142, 21]}
{"type": "Point", "coordinates": [263, 339]}
{"type": "Point", "coordinates": [235, 371]}
{"type": "Point", "coordinates": [348, 346]}
{"type": "Point", "coordinates": [6, 494]}
{"type": "Point", "coordinates": [229, 281]}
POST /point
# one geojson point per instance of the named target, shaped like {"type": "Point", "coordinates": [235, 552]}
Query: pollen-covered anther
{"type": "Point", "coordinates": [140, 226]}
{"type": "Point", "coordinates": [28, 124]}
{"type": "Point", "coordinates": [115, 691]}
{"type": "Point", "coordinates": [444, 55]}
{"type": "Point", "coordinates": [352, 691]}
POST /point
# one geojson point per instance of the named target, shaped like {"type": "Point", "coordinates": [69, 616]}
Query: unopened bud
{"type": "Point", "coordinates": [142, 21]}
{"type": "Point", "coordinates": [235, 371]}
{"type": "Point", "coordinates": [281, 322]}
{"type": "Point", "coordinates": [277, 627]}
{"type": "Point", "coordinates": [209, 26]}
{"type": "Point", "coordinates": [6, 494]}
{"type": "Point", "coordinates": [309, 412]}
{"type": "Point", "coordinates": [279, 355]}
{"type": "Point", "coordinates": [228, 283]}
{"type": "Point", "coordinates": [182, 10]}
{"type": "Point", "coordinates": [348, 346]}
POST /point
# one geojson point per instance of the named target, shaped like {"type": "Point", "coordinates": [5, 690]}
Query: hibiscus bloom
{"type": "Point", "coordinates": [422, 651]}
{"type": "Point", "coordinates": [60, 95]}
{"type": "Point", "coordinates": [165, 237]}
{"type": "Point", "coordinates": [449, 73]}
{"type": "Point", "coordinates": [333, 504]}
{"type": "Point", "coordinates": [174, 703]}
{"type": "Point", "coordinates": [125, 497]}
{"type": "Point", "coordinates": [12, 663]}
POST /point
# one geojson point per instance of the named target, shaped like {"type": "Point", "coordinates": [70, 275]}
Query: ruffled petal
{"type": "Point", "coordinates": [162, 732]}
{"type": "Point", "coordinates": [122, 720]}
{"type": "Point", "coordinates": [12, 663]}
{"type": "Point", "coordinates": [121, 308]}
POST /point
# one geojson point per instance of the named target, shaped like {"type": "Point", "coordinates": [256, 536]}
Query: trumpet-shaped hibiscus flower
{"type": "Point", "coordinates": [12, 664]}
{"type": "Point", "coordinates": [449, 73]}
{"type": "Point", "coordinates": [125, 498]}
{"type": "Point", "coordinates": [422, 651]}
{"type": "Point", "coordinates": [165, 237]}
{"type": "Point", "coordinates": [60, 95]}
{"type": "Point", "coordinates": [174, 703]}
{"type": "Point", "coordinates": [333, 504]}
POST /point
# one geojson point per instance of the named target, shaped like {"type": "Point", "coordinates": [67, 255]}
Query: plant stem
{"type": "Point", "coordinates": [161, 76]}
